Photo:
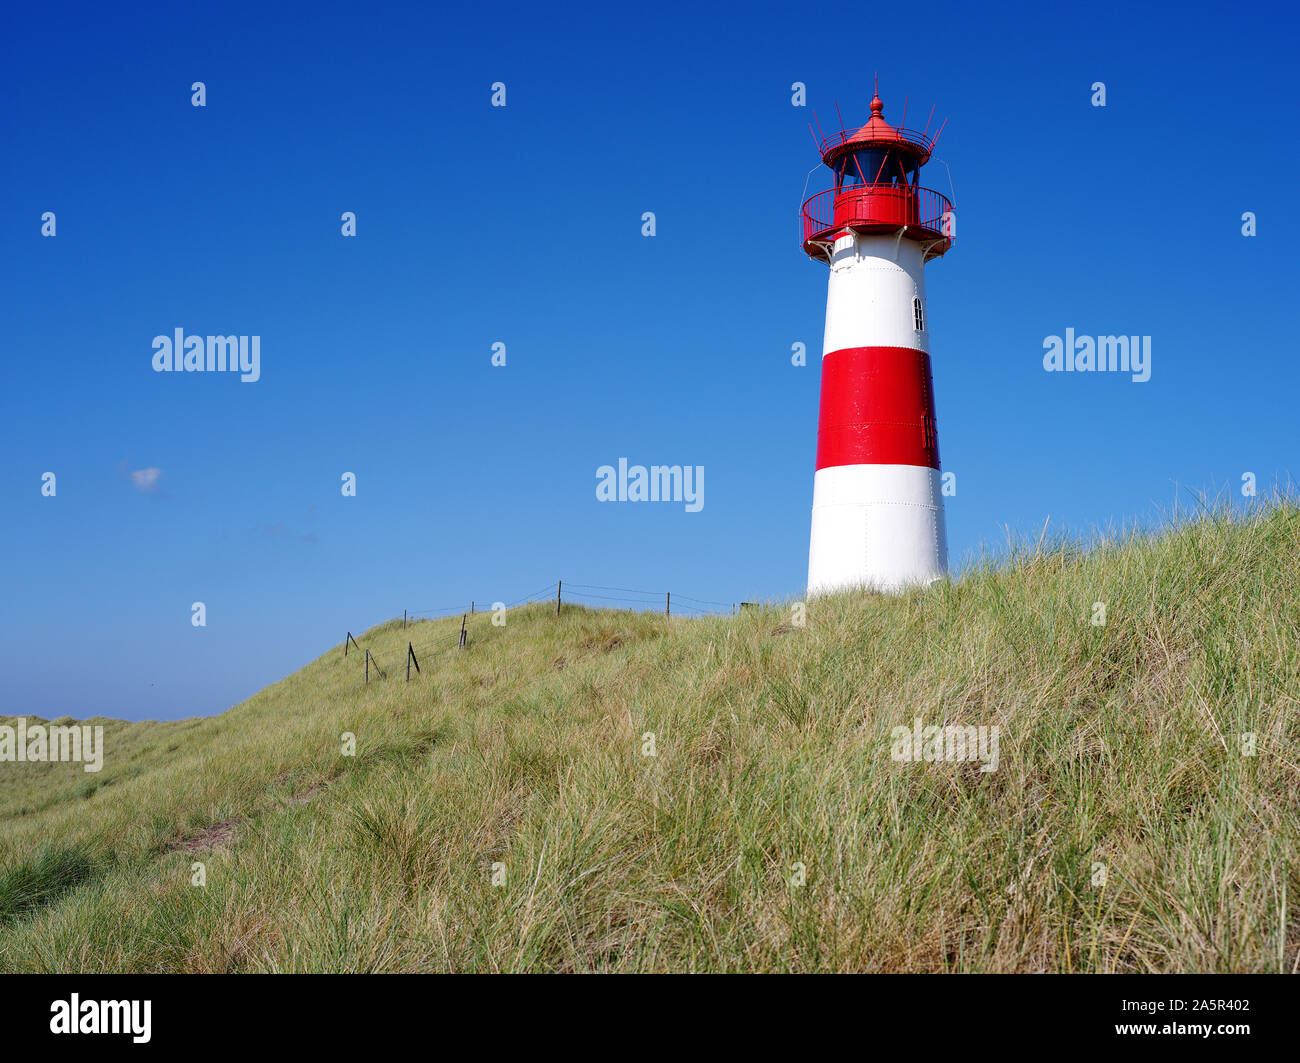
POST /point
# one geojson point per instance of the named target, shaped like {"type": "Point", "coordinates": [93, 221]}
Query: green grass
{"type": "Point", "coordinates": [32, 884]}
{"type": "Point", "coordinates": [1120, 751]}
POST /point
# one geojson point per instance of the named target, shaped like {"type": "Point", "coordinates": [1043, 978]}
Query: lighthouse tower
{"type": "Point", "coordinates": [877, 518]}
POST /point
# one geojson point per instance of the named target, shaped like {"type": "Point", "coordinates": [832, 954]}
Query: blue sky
{"type": "Point", "coordinates": [522, 225]}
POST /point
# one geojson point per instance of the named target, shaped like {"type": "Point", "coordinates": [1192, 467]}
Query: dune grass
{"type": "Point", "coordinates": [501, 812]}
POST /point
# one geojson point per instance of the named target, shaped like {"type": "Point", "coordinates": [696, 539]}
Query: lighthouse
{"type": "Point", "coordinates": [877, 516]}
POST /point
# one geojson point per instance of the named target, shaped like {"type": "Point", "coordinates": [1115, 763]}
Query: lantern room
{"type": "Point", "coordinates": [877, 189]}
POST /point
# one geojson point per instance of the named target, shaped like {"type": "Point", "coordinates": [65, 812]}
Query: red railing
{"type": "Point", "coordinates": [907, 136]}
{"type": "Point", "coordinates": [878, 207]}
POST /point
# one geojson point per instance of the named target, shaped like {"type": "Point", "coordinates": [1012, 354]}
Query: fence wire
{"type": "Point", "coordinates": [588, 594]}
{"type": "Point", "coordinates": [570, 594]}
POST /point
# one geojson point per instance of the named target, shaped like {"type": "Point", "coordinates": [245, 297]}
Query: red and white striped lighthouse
{"type": "Point", "coordinates": [877, 518]}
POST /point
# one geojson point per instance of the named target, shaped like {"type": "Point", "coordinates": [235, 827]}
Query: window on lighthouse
{"type": "Point", "coordinates": [875, 166]}
{"type": "Point", "coordinates": [918, 314]}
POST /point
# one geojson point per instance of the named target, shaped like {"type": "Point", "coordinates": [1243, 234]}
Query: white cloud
{"type": "Point", "coordinates": [146, 479]}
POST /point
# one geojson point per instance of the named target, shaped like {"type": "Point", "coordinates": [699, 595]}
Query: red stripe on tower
{"type": "Point", "coordinates": [877, 408]}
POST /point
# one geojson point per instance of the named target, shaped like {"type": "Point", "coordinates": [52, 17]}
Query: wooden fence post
{"type": "Point", "coordinates": [559, 586]}
{"type": "Point", "coordinates": [410, 656]}
{"type": "Point", "coordinates": [367, 666]}
{"type": "Point", "coordinates": [461, 645]}
{"type": "Point", "coordinates": [403, 619]}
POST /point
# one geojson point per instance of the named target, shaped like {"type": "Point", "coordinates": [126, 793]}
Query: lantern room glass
{"type": "Point", "coordinates": [878, 165]}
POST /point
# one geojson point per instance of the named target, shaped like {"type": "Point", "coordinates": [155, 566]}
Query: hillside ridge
{"type": "Point", "coordinates": [624, 791]}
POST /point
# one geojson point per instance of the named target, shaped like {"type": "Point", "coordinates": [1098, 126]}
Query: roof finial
{"type": "Point", "coordinates": [877, 108]}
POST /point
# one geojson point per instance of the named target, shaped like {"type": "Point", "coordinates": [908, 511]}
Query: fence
{"type": "Point", "coordinates": [594, 595]}
{"type": "Point", "coordinates": [626, 599]}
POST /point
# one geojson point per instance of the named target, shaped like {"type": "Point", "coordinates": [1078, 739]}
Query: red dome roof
{"type": "Point", "coordinates": [877, 131]}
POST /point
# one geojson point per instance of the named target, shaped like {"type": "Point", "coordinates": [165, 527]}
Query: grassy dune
{"type": "Point", "coordinates": [1120, 755]}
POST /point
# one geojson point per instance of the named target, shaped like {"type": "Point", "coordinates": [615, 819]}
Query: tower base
{"type": "Point", "coordinates": [879, 527]}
